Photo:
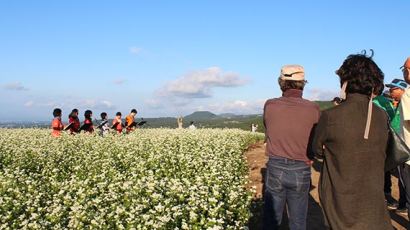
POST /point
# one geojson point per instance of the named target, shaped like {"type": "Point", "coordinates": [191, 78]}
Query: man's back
{"type": "Point", "coordinates": [289, 121]}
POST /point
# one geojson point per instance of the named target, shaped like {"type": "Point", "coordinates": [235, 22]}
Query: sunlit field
{"type": "Point", "coordinates": [150, 179]}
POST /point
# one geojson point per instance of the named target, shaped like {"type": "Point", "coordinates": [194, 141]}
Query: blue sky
{"type": "Point", "coordinates": [170, 58]}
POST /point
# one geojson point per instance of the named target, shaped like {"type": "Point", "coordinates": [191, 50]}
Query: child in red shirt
{"type": "Point", "coordinates": [117, 123]}
{"type": "Point", "coordinates": [88, 123]}
{"type": "Point", "coordinates": [56, 125]}
{"type": "Point", "coordinates": [74, 121]}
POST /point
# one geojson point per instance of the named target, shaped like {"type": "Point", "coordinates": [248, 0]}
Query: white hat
{"type": "Point", "coordinates": [292, 73]}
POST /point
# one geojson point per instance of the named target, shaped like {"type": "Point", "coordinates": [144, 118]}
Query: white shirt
{"type": "Point", "coordinates": [405, 116]}
{"type": "Point", "coordinates": [192, 127]}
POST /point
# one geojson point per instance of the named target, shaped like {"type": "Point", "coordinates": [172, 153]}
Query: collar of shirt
{"type": "Point", "coordinates": [293, 93]}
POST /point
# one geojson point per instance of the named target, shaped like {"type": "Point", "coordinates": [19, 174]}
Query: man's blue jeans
{"type": "Point", "coordinates": [287, 182]}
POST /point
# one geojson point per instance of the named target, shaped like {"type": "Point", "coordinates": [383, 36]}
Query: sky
{"type": "Point", "coordinates": [171, 58]}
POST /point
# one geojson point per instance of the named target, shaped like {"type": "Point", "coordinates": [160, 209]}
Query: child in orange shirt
{"type": "Point", "coordinates": [129, 121]}
{"type": "Point", "coordinates": [117, 123]}
{"type": "Point", "coordinates": [56, 125]}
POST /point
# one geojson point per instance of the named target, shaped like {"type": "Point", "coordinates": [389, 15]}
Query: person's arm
{"type": "Point", "coordinates": [320, 135]}
{"type": "Point", "coordinates": [264, 123]}
{"type": "Point", "coordinates": [405, 108]}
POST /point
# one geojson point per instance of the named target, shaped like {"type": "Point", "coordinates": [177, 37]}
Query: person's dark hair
{"type": "Point", "coordinates": [362, 74]}
{"type": "Point", "coordinates": [57, 112]}
{"type": "Point", "coordinates": [87, 114]}
{"type": "Point", "coordinates": [133, 111]}
{"type": "Point", "coordinates": [285, 85]}
{"type": "Point", "coordinates": [118, 114]}
{"type": "Point", "coordinates": [192, 122]}
{"type": "Point", "coordinates": [73, 113]}
{"type": "Point", "coordinates": [103, 115]}
{"type": "Point", "coordinates": [337, 100]}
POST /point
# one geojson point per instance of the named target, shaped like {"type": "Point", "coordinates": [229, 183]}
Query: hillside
{"type": "Point", "coordinates": [200, 116]}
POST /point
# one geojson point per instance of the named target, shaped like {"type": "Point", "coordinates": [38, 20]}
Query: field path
{"type": "Point", "coordinates": [257, 160]}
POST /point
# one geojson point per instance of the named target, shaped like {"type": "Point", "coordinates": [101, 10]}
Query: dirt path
{"type": "Point", "coordinates": [257, 161]}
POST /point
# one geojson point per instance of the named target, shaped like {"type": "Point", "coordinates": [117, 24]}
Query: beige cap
{"type": "Point", "coordinates": [292, 73]}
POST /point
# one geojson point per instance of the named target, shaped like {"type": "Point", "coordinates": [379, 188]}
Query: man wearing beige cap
{"type": "Point", "coordinates": [289, 121]}
{"type": "Point", "coordinates": [405, 131]}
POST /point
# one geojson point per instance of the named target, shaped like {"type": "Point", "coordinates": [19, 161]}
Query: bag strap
{"type": "Point", "coordinates": [369, 116]}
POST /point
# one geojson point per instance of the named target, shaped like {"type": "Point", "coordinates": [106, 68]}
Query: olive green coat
{"type": "Point", "coordinates": [352, 177]}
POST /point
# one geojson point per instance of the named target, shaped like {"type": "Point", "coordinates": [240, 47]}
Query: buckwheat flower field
{"type": "Point", "coordinates": [150, 179]}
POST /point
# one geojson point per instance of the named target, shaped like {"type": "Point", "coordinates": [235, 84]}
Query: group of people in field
{"type": "Point", "coordinates": [351, 138]}
{"type": "Point", "coordinates": [74, 125]}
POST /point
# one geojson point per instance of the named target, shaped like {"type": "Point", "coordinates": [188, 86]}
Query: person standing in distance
{"type": "Point", "coordinates": [88, 125]}
{"type": "Point", "coordinates": [130, 121]}
{"type": "Point", "coordinates": [74, 121]}
{"type": "Point", "coordinates": [117, 123]}
{"type": "Point", "coordinates": [289, 121]}
{"type": "Point", "coordinates": [56, 125]}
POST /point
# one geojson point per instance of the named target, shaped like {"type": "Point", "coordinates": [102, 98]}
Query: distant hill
{"type": "Point", "coordinates": [200, 116]}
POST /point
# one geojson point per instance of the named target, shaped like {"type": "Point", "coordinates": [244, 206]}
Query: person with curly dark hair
{"type": "Point", "coordinates": [352, 138]}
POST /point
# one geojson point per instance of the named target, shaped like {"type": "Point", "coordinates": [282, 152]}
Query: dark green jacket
{"type": "Point", "coordinates": [394, 113]}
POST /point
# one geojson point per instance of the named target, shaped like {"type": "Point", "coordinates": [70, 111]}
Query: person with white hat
{"type": "Point", "coordinates": [289, 121]}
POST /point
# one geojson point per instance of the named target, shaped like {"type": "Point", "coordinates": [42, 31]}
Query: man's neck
{"type": "Point", "coordinates": [293, 93]}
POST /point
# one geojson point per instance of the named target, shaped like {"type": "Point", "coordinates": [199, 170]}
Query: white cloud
{"type": "Point", "coordinates": [321, 94]}
{"type": "Point", "coordinates": [119, 81]}
{"type": "Point", "coordinates": [180, 95]}
{"type": "Point", "coordinates": [96, 104]}
{"type": "Point", "coordinates": [237, 107]}
{"type": "Point", "coordinates": [135, 50]}
{"type": "Point", "coordinates": [18, 86]}
{"type": "Point", "coordinates": [72, 103]}
{"type": "Point", "coordinates": [44, 104]}
{"type": "Point", "coordinates": [29, 104]}
{"type": "Point", "coordinates": [199, 84]}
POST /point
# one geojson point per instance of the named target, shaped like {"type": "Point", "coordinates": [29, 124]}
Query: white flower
{"type": "Point", "coordinates": [149, 179]}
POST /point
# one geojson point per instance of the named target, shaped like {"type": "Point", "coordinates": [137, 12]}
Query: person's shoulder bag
{"type": "Point", "coordinates": [397, 151]}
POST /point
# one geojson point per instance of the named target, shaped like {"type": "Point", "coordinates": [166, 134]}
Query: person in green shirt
{"type": "Point", "coordinates": [390, 104]}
